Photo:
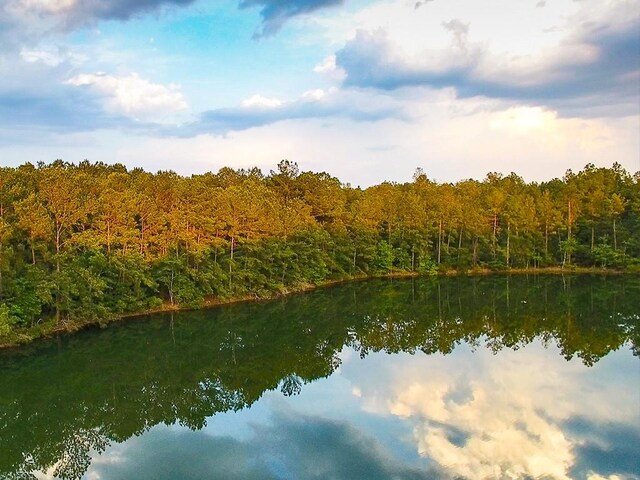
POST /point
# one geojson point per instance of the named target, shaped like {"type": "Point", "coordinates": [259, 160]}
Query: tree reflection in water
{"type": "Point", "coordinates": [63, 399]}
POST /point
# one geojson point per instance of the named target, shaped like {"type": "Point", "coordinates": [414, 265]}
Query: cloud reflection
{"type": "Point", "coordinates": [515, 415]}
{"type": "Point", "coordinates": [162, 452]}
{"type": "Point", "coordinates": [291, 446]}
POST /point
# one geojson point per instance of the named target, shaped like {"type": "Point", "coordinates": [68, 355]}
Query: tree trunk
{"type": "Point", "coordinates": [568, 251]}
{"type": "Point", "coordinates": [508, 241]}
{"type": "Point", "coordinates": [2, 218]}
{"type": "Point", "coordinates": [231, 262]}
{"type": "Point", "coordinates": [1, 271]}
{"type": "Point", "coordinates": [108, 238]}
{"type": "Point", "coordinates": [171, 286]}
{"type": "Point", "coordinates": [475, 251]}
{"type": "Point", "coordinates": [546, 238]}
{"type": "Point", "coordinates": [439, 240]}
{"type": "Point", "coordinates": [413, 258]}
{"type": "Point", "coordinates": [615, 239]}
{"type": "Point", "coordinates": [494, 239]}
{"type": "Point", "coordinates": [142, 236]}
{"type": "Point", "coordinates": [58, 235]}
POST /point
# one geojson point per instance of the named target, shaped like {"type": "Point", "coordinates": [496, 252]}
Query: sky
{"type": "Point", "coordinates": [366, 90]}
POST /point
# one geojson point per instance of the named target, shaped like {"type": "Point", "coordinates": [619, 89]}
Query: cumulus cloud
{"type": "Point", "coordinates": [259, 101]}
{"type": "Point", "coordinates": [275, 13]}
{"type": "Point", "coordinates": [51, 56]}
{"type": "Point", "coordinates": [483, 429]}
{"type": "Point", "coordinates": [69, 14]}
{"type": "Point", "coordinates": [63, 111]}
{"type": "Point", "coordinates": [258, 111]}
{"type": "Point", "coordinates": [132, 95]}
{"type": "Point", "coordinates": [479, 138]}
{"type": "Point", "coordinates": [329, 69]}
{"type": "Point", "coordinates": [35, 100]}
{"type": "Point", "coordinates": [592, 69]}
{"type": "Point", "coordinates": [460, 32]}
{"type": "Point", "coordinates": [502, 417]}
{"type": "Point", "coordinates": [28, 21]}
{"type": "Point", "coordinates": [421, 3]}
{"type": "Point", "coordinates": [372, 60]}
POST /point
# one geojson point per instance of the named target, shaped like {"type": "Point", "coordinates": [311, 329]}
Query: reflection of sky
{"type": "Point", "coordinates": [511, 415]}
{"type": "Point", "coordinates": [517, 414]}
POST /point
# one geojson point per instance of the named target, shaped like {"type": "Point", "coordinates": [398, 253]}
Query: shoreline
{"type": "Point", "coordinates": [217, 302]}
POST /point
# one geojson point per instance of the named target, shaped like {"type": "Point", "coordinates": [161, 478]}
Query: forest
{"type": "Point", "coordinates": [86, 243]}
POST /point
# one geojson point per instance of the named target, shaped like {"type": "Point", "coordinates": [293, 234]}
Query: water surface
{"type": "Point", "coordinates": [492, 377]}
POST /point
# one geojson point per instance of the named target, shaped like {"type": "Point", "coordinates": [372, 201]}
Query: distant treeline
{"type": "Point", "coordinates": [84, 243]}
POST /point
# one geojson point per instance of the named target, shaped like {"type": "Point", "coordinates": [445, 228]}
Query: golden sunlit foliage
{"type": "Point", "coordinates": [84, 243]}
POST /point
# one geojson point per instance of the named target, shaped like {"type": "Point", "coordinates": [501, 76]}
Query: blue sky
{"type": "Point", "coordinates": [365, 90]}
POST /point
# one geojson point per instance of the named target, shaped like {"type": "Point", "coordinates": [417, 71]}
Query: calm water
{"type": "Point", "coordinates": [491, 377]}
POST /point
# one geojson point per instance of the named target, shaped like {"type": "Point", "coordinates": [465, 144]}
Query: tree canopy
{"type": "Point", "coordinates": [85, 243]}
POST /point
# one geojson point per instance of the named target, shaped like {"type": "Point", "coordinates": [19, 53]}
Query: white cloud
{"type": "Point", "coordinates": [134, 96]}
{"type": "Point", "coordinates": [49, 474]}
{"type": "Point", "coordinates": [484, 416]}
{"type": "Point", "coordinates": [258, 101]}
{"type": "Point", "coordinates": [259, 111]}
{"type": "Point", "coordinates": [508, 438]}
{"type": "Point", "coordinates": [48, 6]}
{"type": "Point", "coordinates": [511, 27]}
{"type": "Point", "coordinates": [596, 476]}
{"type": "Point", "coordinates": [329, 69]}
{"type": "Point", "coordinates": [523, 120]}
{"type": "Point", "coordinates": [314, 95]}
{"type": "Point", "coordinates": [338, 147]}
{"type": "Point", "coordinates": [450, 141]}
{"type": "Point", "coordinates": [204, 153]}
{"type": "Point", "coordinates": [575, 57]}
{"type": "Point", "coordinates": [51, 56]}
{"type": "Point", "coordinates": [39, 18]}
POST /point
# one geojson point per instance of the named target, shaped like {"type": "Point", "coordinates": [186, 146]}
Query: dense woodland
{"type": "Point", "coordinates": [89, 242]}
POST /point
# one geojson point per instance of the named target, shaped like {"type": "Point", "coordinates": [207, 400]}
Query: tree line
{"type": "Point", "coordinates": [88, 242]}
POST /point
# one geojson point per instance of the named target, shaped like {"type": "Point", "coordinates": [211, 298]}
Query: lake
{"type": "Point", "coordinates": [465, 377]}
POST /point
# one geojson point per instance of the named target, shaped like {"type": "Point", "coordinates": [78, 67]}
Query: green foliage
{"type": "Point", "coordinates": [85, 243]}
{"type": "Point", "coordinates": [401, 259]}
{"type": "Point", "coordinates": [383, 260]}
{"type": "Point", "coordinates": [569, 246]}
{"type": "Point", "coordinates": [606, 256]}
{"type": "Point", "coordinates": [7, 320]}
{"type": "Point", "coordinates": [32, 290]}
{"type": "Point", "coordinates": [427, 266]}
